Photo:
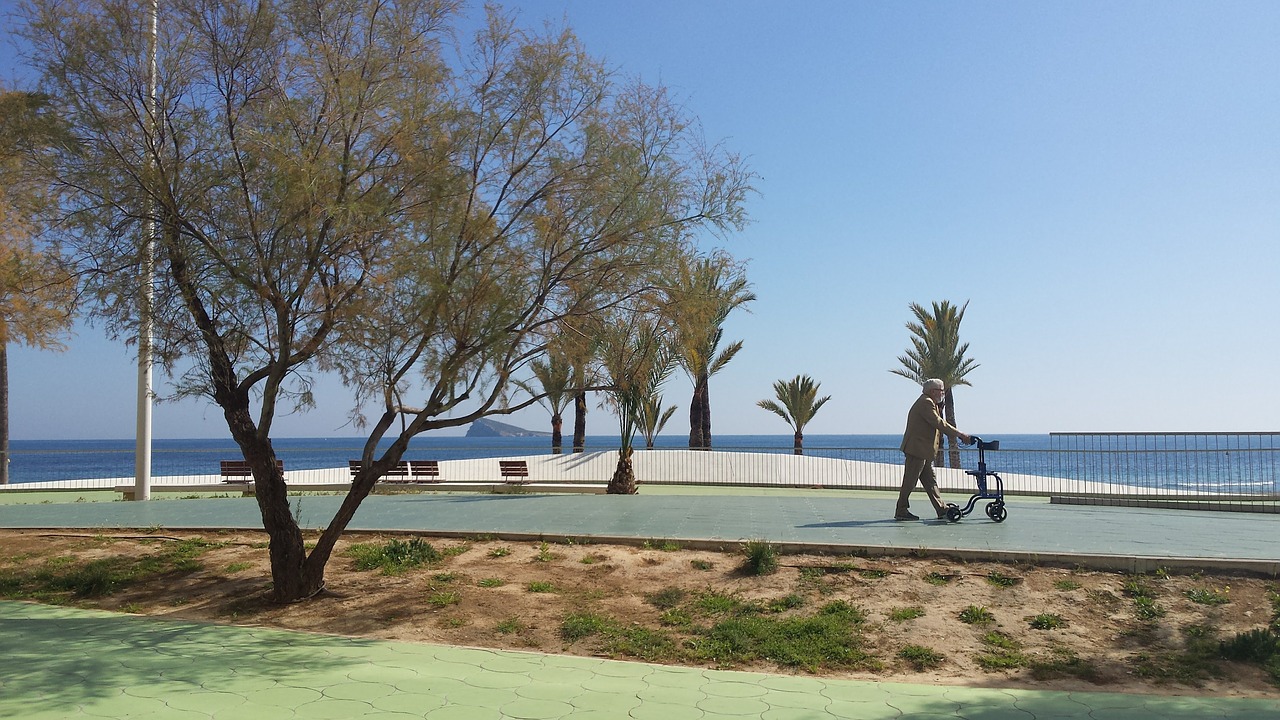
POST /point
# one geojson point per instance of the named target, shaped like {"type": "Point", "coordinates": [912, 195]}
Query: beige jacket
{"type": "Point", "coordinates": [924, 429]}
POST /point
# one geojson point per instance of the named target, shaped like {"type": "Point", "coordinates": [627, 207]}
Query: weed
{"type": "Point", "coordinates": [500, 552]}
{"type": "Point", "coordinates": [1146, 608]}
{"type": "Point", "coordinates": [1066, 585]}
{"type": "Point", "coordinates": [1255, 646]}
{"type": "Point", "coordinates": [1047, 621]}
{"type": "Point", "coordinates": [492, 582]}
{"type": "Point", "coordinates": [703, 565]}
{"type": "Point", "coordinates": [676, 617]}
{"type": "Point", "coordinates": [920, 657]}
{"type": "Point", "coordinates": [510, 626]}
{"type": "Point", "coordinates": [1136, 587]}
{"type": "Point", "coordinates": [132, 608]}
{"type": "Point", "coordinates": [976, 615]}
{"type": "Point", "coordinates": [238, 567]}
{"type": "Point", "coordinates": [1002, 641]}
{"type": "Point", "coordinates": [827, 639]}
{"type": "Point", "coordinates": [1209, 596]}
{"type": "Point", "coordinates": [581, 625]}
{"type": "Point", "coordinates": [713, 603]}
{"type": "Point", "coordinates": [936, 578]}
{"type": "Point", "coordinates": [904, 614]}
{"type": "Point", "coordinates": [544, 553]}
{"type": "Point", "coordinates": [394, 556]}
{"type": "Point", "coordinates": [999, 579]}
{"type": "Point", "coordinates": [454, 622]}
{"type": "Point", "coordinates": [540, 586]}
{"type": "Point", "coordinates": [1064, 663]}
{"type": "Point", "coordinates": [873, 573]}
{"type": "Point", "coordinates": [444, 599]}
{"type": "Point", "coordinates": [663, 545]}
{"type": "Point", "coordinates": [812, 573]}
{"type": "Point", "coordinates": [762, 557]}
{"type": "Point", "coordinates": [1001, 659]}
{"type": "Point", "coordinates": [445, 577]}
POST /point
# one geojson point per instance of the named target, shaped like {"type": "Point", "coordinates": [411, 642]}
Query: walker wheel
{"type": "Point", "coordinates": [996, 511]}
{"type": "Point", "coordinates": [953, 513]}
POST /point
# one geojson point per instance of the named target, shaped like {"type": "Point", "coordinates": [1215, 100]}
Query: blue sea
{"type": "Point", "coordinates": [42, 460]}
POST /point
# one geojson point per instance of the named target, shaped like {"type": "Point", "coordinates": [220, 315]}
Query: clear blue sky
{"type": "Point", "coordinates": [1099, 180]}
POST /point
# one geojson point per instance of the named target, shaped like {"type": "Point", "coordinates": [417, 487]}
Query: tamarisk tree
{"type": "Point", "coordinates": [336, 189]}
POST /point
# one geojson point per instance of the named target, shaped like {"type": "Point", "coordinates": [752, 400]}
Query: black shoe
{"type": "Point", "coordinates": [905, 516]}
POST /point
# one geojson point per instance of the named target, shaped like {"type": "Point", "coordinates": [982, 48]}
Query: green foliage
{"type": "Point", "coordinates": [64, 577]}
{"type": "Point", "coordinates": [904, 614]}
{"type": "Point", "coordinates": [703, 565]}
{"type": "Point", "coordinates": [999, 579]}
{"type": "Point", "coordinates": [540, 586]}
{"type": "Point", "coordinates": [936, 578]}
{"type": "Point", "coordinates": [762, 557]}
{"type": "Point", "coordinates": [976, 615]}
{"type": "Point", "coordinates": [873, 573]}
{"type": "Point", "coordinates": [492, 582]}
{"type": "Point", "coordinates": [666, 598]}
{"type": "Point", "coordinates": [1255, 646]}
{"type": "Point", "coordinates": [394, 556]}
{"type": "Point", "coordinates": [1209, 596]}
{"type": "Point", "coordinates": [1047, 621]}
{"type": "Point", "coordinates": [920, 657]}
{"type": "Point", "coordinates": [499, 552]}
{"type": "Point", "coordinates": [1066, 585]}
{"type": "Point", "coordinates": [797, 403]}
{"type": "Point", "coordinates": [444, 599]}
{"type": "Point", "coordinates": [787, 602]}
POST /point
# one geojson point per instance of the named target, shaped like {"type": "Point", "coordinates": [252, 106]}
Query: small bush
{"type": "Point", "coordinates": [1255, 646]}
{"type": "Point", "coordinates": [394, 556]}
{"type": "Point", "coordinates": [701, 565]}
{"type": "Point", "coordinates": [762, 557]}
{"type": "Point", "coordinates": [999, 579]}
{"type": "Point", "coordinates": [937, 578]}
{"type": "Point", "coordinates": [540, 586]}
{"type": "Point", "coordinates": [1209, 596]}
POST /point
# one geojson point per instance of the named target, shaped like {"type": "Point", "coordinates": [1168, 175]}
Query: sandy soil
{"type": "Point", "coordinates": [480, 595]}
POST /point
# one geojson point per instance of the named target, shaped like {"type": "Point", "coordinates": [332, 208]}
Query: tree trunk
{"type": "Point", "coordinates": [624, 477]}
{"type": "Point", "coordinates": [4, 412]}
{"type": "Point", "coordinates": [799, 444]}
{"type": "Point", "coordinates": [706, 412]}
{"type": "Point", "coordinates": [698, 437]}
{"type": "Point", "coordinates": [580, 422]}
{"type": "Point", "coordinates": [557, 437]}
{"type": "Point", "coordinates": [953, 454]}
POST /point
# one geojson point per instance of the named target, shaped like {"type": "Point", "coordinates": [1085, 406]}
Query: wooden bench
{"type": "Point", "coordinates": [514, 472]}
{"type": "Point", "coordinates": [239, 471]}
{"type": "Point", "coordinates": [406, 471]}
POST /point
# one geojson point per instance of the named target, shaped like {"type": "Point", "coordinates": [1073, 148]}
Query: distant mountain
{"type": "Point", "coordinates": [484, 427]}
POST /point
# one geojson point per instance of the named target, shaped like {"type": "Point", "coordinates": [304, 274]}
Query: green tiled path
{"type": "Point", "coordinates": [60, 664]}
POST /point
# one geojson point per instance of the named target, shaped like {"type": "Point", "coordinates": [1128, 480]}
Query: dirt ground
{"type": "Point", "coordinates": [489, 593]}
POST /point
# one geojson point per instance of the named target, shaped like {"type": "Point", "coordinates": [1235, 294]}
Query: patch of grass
{"type": "Point", "coordinates": [236, 567]}
{"type": "Point", "coordinates": [492, 582]}
{"type": "Point", "coordinates": [920, 657]}
{"type": "Point", "coordinates": [1001, 659]}
{"type": "Point", "coordinates": [703, 565]}
{"type": "Point", "coordinates": [976, 615]}
{"type": "Point", "coordinates": [1047, 621]}
{"type": "Point", "coordinates": [1146, 608]}
{"type": "Point", "coordinates": [1066, 585]}
{"type": "Point", "coordinates": [510, 626]}
{"type": "Point", "coordinates": [591, 559]}
{"type": "Point", "coordinates": [999, 579]}
{"type": "Point", "coordinates": [762, 557]}
{"type": "Point", "coordinates": [1002, 641]}
{"type": "Point", "coordinates": [937, 578]}
{"type": "Point", "coordinates": [1209, 596]}
{"type": "Point", "coordinates": [580, 625]}
{"type": "Point", "coordinates": [714, 603]}
{"type": "Point", "coordinates": [444, 577]}
{"type": "Point", "coordinates": [394, 556]}
{"type": "Point", "coordinates": [666, 598]}
{"type": "Point", "coordinates": [904, 614]}
{"type": "Point", "coordinates": [1255, 646]}
{"type": "Point", "coordinates": [499, 552]}
{"type": "Point", "coordinates": [788, 602]}
{"type": "Point", "coordinates": [1137, 587]}
{"type": "Point", "coordinates": [454, 622]}
{"type": "Point", "coordinates": [444, 599]}
{"type": "Point", "coordinates": [1064, 663]}
{"type": "Point", "coordinates": [131, 608]}
{"type": "Point", "coordinates": [676, 617]}
{"type": "Point", "coordinates": [64, 577]}
{"type": "Point", "coordinates": [873, 573]}
{"type": "Point", "coordinates": [540, 586]}
{"type": "Point", "coordinates": [663, 545]}
{"type": "Point", "coordinates": [830, 638]}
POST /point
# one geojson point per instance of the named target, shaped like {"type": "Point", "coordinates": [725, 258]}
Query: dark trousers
{"type": "Point", "coordinates": [920, 470]}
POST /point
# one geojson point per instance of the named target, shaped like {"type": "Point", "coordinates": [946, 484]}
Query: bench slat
{"type": "Point", "coordinates": [514, 472]}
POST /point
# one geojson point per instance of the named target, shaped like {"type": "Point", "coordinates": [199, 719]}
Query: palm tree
{"type": "Point", "coordinates": [653, 417]}
{"type": "Point", "coordinates": [702, 292]}
{"type": "Point", "coordinates": [796, 404]}
{"type": "Point", "coordinates": [936, 352]}
{"type": "Point", "coordinates": [555, 375]}
{"type": "Point", "coordinates": [638, 362]}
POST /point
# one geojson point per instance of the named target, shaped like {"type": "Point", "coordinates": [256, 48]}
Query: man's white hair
{"type": "Point", "coordinates": [933, 384]}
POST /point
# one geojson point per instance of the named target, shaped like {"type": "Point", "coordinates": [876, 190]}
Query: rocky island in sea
{"type": "Point", "coordinates": [484, 427]}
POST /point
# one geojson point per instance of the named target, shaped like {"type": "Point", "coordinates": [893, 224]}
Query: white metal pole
{"type": "Point", "coordinates": [142, 449]}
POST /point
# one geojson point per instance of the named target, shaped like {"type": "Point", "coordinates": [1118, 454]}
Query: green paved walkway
{"type": "Point", "coordinates": [61, 664]}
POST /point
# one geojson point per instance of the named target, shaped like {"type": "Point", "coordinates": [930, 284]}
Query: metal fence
{"type": "Point", "coordinates": [1226, 471]}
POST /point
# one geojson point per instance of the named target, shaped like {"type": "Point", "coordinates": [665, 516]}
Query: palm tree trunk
{"type": "Point", "coordinates": [557, 436]}
{"type": "Point", "coordinates": [799, 443]}
{"type": "Point", "coordinates": [580, 422]}
{"type": "Point", "coordinates": [623, 481]}
{"type": "Point", "coordinates": [698, 437]}
{"type": "Point", "coordinates": [953, 451]}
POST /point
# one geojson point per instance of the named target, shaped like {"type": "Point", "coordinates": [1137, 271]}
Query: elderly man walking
{"type": "Point", "coordinates": [920, 445]}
